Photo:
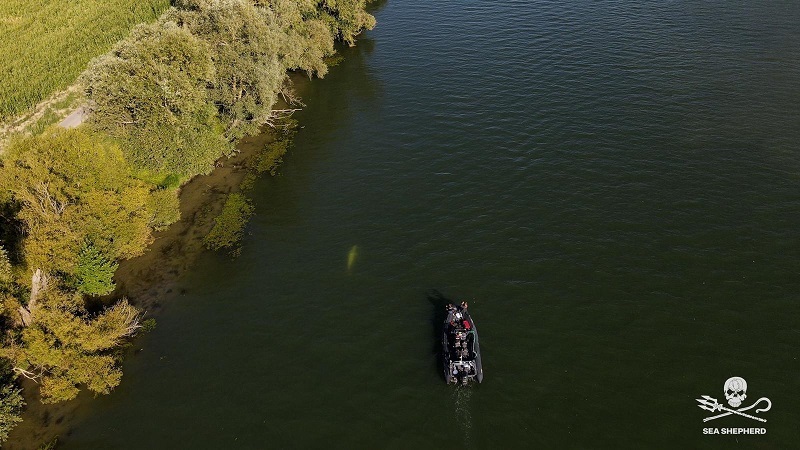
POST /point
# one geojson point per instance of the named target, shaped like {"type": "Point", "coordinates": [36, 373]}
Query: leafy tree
{"type": "Point", "coordinates": [151, 92]}
{"type": "Point", "coordinates": [308, 35]}
{"type": "Point", "coordinates": [244, 42]}
{"type": "Point", "coordinates": [347, 18]}
{"type": "Point", "coordinates": [65, 347]}
{"type": "Point", "coordinates": [8, 289]}
{"type": "Point", "coordinates": [95, 272]}
{"type": "Point", "coordinates": [72, 188]}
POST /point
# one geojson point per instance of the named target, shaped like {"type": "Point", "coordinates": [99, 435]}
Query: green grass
{"type": "Point", "coordinates": [46, 44]}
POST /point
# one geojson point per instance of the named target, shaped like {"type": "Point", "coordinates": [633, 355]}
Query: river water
{"type": "Point", "coordinates": [612, 185]}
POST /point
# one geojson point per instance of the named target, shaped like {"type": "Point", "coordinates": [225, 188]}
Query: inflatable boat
{"type": "Point", "coordinates": [460, 348]}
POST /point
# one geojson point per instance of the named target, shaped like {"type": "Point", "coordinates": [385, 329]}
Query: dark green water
{"type": "Point", "coordinates": [613, 186]}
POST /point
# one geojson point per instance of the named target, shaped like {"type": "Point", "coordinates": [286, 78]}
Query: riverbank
{"type": "Point", "coordinates": [148, 278]}
{"type": "Point", "coordinates": [90, 212]}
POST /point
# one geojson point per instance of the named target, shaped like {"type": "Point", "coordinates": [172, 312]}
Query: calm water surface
{"type": "Point", "coordinates": [614, 187]}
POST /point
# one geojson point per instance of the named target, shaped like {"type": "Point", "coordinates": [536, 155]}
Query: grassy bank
{"type": "Point", "coordinates": [47, 43]}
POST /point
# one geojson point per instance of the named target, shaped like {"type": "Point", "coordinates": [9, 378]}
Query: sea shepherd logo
{"type": "Point", "coordinates": [735, 394]}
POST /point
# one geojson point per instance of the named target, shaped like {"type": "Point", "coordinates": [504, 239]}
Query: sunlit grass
{"type": "Point", "coordinates": [45, 44]}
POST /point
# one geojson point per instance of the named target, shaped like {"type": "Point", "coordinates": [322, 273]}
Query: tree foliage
{"type": "Point", "coordinates": [308, 36]}
{"type": "Point", "coordinates": [95, 272]}
{"type": "Point", "coordinates": [74, 188]}
{"type": "Point", "coordinates": [244, 41]}
{"type": "Point", "coordinates": [179, 92]}
{"type": "Point", "coordinates": [11, 404]}
{"type": "Point", "coordinates": [151, 92]}
{"type": "Point", "coordinates": [65, 347]}
{"type": "Point", "coordinates": [6, 274]}
{"type": "Point", "coordinates": [347, 18]}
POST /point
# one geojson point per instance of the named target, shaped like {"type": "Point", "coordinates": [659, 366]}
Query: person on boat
{"type": "Point", "coordinates": [467, 325]}
{"type": "Point", "coordinates": [464, 305]}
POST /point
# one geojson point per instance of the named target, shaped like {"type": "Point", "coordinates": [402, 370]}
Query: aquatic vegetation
{"type": "Point", "coordinates": [164, 205]}
{"type": "Point", "coordinates": [229, 225]}
{"type": "Point", "coordinates": [268, 159]}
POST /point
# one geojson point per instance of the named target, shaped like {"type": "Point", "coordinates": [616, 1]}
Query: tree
{"type": "Point", "coordinates": [72, 188]}
{"type": "Point", "coordinates": [347, 18]}
{"type": "Point", "coordinates": [151, 92]}
{"type": "Point", "coordinates": [244, 41]}
{"type": "Point", "coordinates": [6, 284]}
{"type": "Point", "coordinates": [65, 347]}
{"type": "Point", "coordinates": [308, 36]}
{"type": "Point", "coordinates": [6, 275]}
{"type": "Point", "coordinates": [95, 272]}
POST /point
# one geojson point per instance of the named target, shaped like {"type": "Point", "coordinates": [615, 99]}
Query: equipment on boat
{"type": "Point", "coordinates": [460, 349]}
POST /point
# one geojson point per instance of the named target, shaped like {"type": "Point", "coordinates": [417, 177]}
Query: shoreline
{"type": "Point", "coordinates": [144, 282]}
{"type": "Point", "coordinates": [146, 279]}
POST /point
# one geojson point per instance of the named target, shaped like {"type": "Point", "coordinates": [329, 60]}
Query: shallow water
{"type": "Point", "coordinates": [612, 185]}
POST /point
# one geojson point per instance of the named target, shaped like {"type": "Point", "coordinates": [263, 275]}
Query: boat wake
{"type": "Point", "coordinates": [463, 412]}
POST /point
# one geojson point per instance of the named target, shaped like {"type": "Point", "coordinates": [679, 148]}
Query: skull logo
{"type": "Point", "coordinates": [735, 391]}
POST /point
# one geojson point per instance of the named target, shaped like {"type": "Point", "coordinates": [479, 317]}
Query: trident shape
{"type": "Point", "coordinates": [711, 404]}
